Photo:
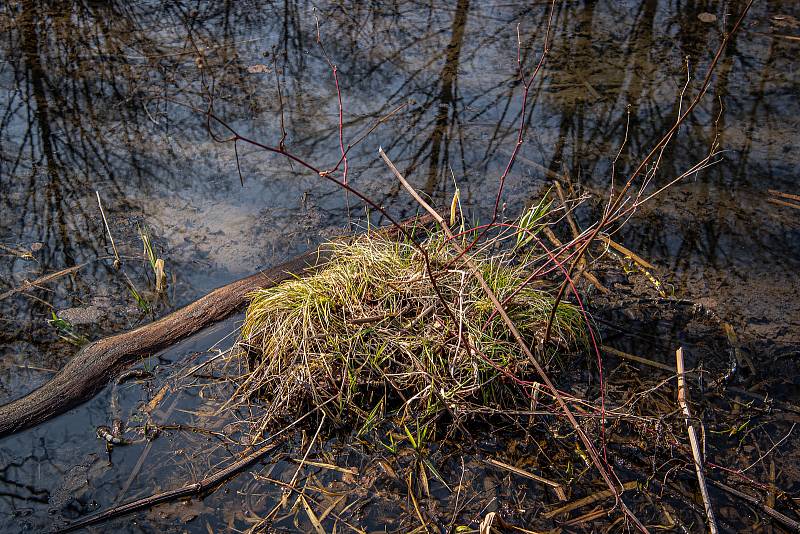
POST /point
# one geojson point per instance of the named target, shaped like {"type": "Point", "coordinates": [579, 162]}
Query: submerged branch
{"type": "Point", "coordinates": [95, 364]}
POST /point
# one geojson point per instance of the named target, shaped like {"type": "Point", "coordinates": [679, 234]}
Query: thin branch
{"type": "Point", "coordinates": [27, 286]}
{"type": "Point", "coordinates": [282, 141]}
{"type": "Point", "coordinates": [695, 444]}
{"type": "Point", "coordinates": [117, 261]}
{"type": "Point", "coordinates": [196, 488]}
{"type": "Point", "coordinates": [601, 225]}
{"type": "Point", "coordinates": [335, 72]}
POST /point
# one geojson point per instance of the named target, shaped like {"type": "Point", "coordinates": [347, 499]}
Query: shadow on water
{"type": "Point", "coordinates": [95, 96]}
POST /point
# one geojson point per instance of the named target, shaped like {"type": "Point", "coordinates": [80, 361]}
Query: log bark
{"type": "Point", "coordinates": [95, 364]}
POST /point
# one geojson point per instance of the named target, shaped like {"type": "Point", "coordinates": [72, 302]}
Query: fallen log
{"type": "Point", "coordinates": [95, 364]}
{"type": "Point", "coordinates": [93, 367]}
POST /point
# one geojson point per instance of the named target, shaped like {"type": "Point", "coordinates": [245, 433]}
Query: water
{"type": "Point", "coordinates": [107, 98]}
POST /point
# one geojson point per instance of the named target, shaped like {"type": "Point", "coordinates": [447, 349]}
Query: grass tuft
{"type": "Point", "coordinates": [369, 334]}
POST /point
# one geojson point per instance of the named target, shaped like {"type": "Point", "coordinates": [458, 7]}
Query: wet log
{"type": "Point", "coordinates": [91, 369]}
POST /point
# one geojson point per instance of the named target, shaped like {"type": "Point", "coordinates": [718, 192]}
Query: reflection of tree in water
{"type": "Point", "coordinates": [640, 64]}
{"type": "Point", "coordinates": [88, 86]}
{"type": "Point", "coordinates": [76, 112]}
{"type": "Point", "coordinates": [90, 91]}
{"type": "Point", "coordinates": [85, 110]}
{"type": "Point", "coordinates": [89, 105]}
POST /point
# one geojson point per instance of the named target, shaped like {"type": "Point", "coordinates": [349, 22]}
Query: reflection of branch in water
{"type": "Point", "coordinates": [75, 119]}
{"type": "Point", "coordinates": [34, 494]}
{"type": "Point", "coordinates": [616, 204]}
{"type": "Point", "coordinates": [25, 469]}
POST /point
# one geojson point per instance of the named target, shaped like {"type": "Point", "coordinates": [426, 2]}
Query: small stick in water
{"type": "Point", "coordinates": [117, 261]}
{"type": "Point", "coordinates": [698, 464]}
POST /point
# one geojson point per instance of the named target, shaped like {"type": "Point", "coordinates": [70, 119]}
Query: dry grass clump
{"type": "Point", "coordinates": [368, 333]}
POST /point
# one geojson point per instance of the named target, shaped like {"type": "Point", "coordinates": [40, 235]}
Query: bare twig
{"type": "Point", "coordinates": [775, 446]}
{"type": "Point", "coordinates": [611, 211]}
{"type": "Point", "coordinates": [638, 359]}
{"type": "Point", "coordinates": [196, 488]}
{"type": "Point", "coordinates": [573, 226]}
{"type": "Point", "coordinates": [779, 202]}
{"type": "Point", "coordinates": [282, 141]}
{"type": "Point", "coordinates": [584, 268]}
{"type": "Point", "coordinates": [143, 456]}
{"type": "Point", "coordinates": [206, 485]}
{"type": "Point", "coordinates": [335, 72]}
{"type": "Point", "coordinates": [308, 450]}
{"type": "Point", "coordinates": [695, 444]}
{"type": "Point", "coordinates": [774, 514]}
{"type": "Point", "coordinates": [781, 194]}
{"type": "Point", "coordinates": [627, 252]}
{"type": "Point", "coordinates": [558, 488]}
{"type": "Point", "coordinates": [599, 496]}
{"type": "Point", "coordinates": [526, 86]}
{"type": "Point", "coordinates": [27, 286]}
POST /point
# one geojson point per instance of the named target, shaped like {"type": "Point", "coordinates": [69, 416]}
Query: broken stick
{"type": "Point", "coordinates": [693, 441]}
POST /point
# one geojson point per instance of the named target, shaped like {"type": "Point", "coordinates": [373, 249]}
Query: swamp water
{"type": "Point", "coordinates": [94, 98]}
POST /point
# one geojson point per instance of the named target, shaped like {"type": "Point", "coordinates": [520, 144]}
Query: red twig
{"type": "Point", "coordinates": [618, 201]}
{"type": "Point", "coordinates": [335, 72]}
{"type": "Point", "coordinates": [282, 142]}
{"type": "Point", "coordinates": [522, 345]}
{"type": "Point", "coordinates": [585, 315]}
{"type": "Point", "coordinates": [526, 85]}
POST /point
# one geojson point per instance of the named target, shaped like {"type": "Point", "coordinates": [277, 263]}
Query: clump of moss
{"type": "Point", "coordinates": [369, 333]}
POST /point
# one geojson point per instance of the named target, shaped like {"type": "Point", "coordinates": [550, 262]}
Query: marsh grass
{"type": "Point", "coordinates": [368, 336]}
{"type": "Point", "coordinates": [156, 264]}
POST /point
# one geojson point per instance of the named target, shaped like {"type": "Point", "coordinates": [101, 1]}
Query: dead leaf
{"type": "Point", "coordinates": [156, 400]}
{"type": "Point", "coordinates": [161, 276]}
{"type": "Point", "coordinates": [707, 17]}
{"type": "Point", "coordinates": [258, 69]}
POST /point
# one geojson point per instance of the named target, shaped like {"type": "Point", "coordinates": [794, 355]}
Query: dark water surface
{"type": "Point", "coordinates": [97, 96]}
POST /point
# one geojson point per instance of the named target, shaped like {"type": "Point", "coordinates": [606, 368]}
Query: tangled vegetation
{"type": "Point", "coordinates": [369, 333]}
